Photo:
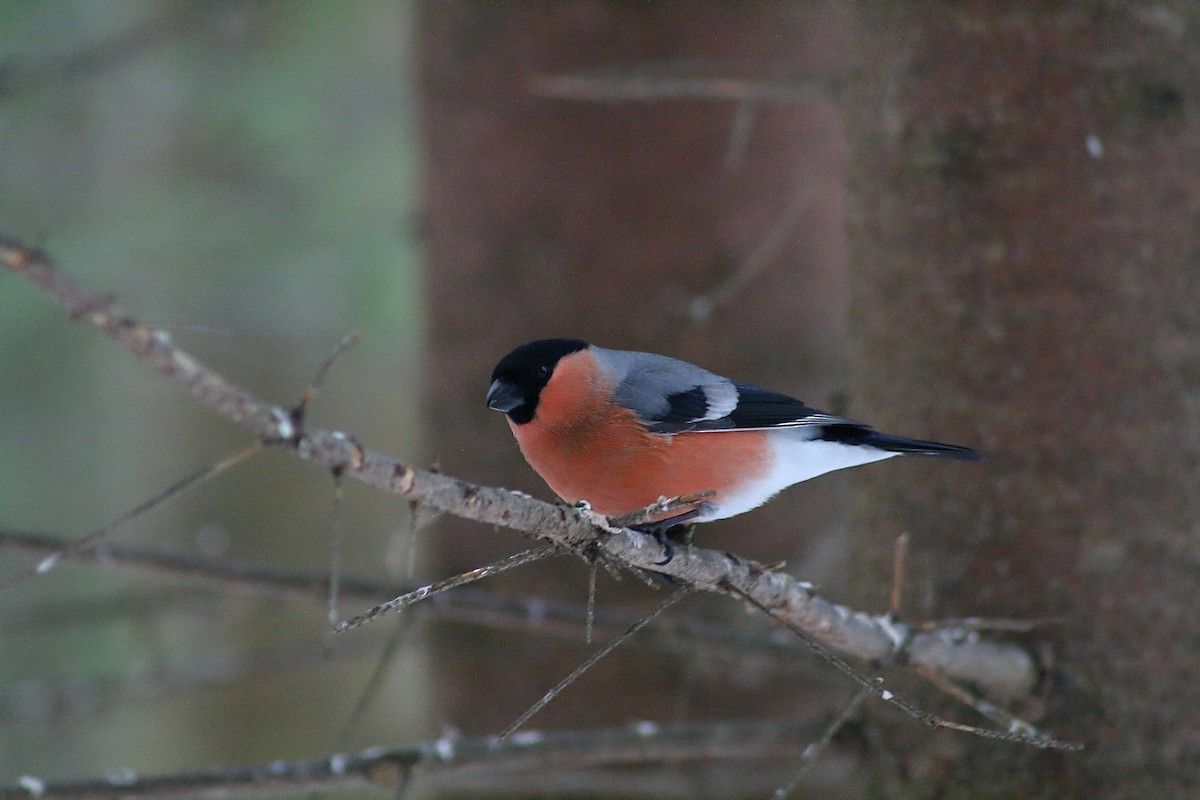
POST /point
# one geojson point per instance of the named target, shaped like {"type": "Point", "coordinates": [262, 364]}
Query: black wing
{"type": "Point", "coordinates": [759, 408]}
{"type": "Point", "coordinates": [755, 408]}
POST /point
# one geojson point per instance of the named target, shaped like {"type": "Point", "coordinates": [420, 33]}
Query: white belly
{"type": "Point", "coordinates": [796, 459]}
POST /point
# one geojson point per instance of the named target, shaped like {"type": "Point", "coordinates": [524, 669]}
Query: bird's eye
{"type": "Point", "coordinates": [542, 372]}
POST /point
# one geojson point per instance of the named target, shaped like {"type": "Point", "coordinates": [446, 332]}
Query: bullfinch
{"type": "Point", "coordinates": [621, 430]}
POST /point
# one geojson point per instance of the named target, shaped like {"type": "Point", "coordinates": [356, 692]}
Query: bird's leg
{"type": "Point", "coordinates": [670, 530]}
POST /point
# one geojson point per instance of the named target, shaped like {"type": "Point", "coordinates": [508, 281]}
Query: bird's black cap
{"type": "Point", "coordinates": [518, 379]}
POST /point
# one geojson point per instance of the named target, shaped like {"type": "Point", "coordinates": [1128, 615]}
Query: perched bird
{"type": "Point", "coordinates": [621, 429]}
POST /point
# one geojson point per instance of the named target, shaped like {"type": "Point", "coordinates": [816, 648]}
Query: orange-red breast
{"type": "Point", "coordinates": [621, 429]}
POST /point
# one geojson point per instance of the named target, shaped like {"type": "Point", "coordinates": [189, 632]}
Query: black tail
{"type": "Point", "coordinates": [866, 437]}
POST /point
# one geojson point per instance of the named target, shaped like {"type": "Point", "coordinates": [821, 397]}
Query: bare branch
{"type": "Point", "coordinates": [985, 709]}
{"type": "Point", "coordinates": [1017, 731]}
{"type": "Point", "coordinates": [449, 756]}
{"type": "Point", "coordinates": [523, 613]}
{"type": "Point", "coordinates": [1003, 671]}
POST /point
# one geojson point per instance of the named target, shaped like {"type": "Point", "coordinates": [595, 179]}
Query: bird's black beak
{"type": "Point", "coordinates": [504, 396]}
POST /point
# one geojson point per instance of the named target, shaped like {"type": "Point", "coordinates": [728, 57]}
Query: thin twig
{"type": "Point", "coordinates": [591, 661]}
{"type": "Point", "coordinates": [462, 579]}
{"type": "Point", "coordinates": [982, 706]}
{"type": "Point", "coordinates": [664, 505]}
{"type": "Point", "coordinates": [524, 613]}
{"type": "Point", "coordinates": [314, 386]}
{"type": "Point", "coordinates": [739, 134]}
{"type": "Point", "coordinates": [53, 561]}
{"type": "Point", "coordinates": [767, 250]}
{"type": "Point", "coordinates": [979, 624]}
{"type": "Point", "coordinates": [369, 692]}
{"type": "Point", "coordinates": [899, 565]}
{"type": "Point", "coordinates": [641, 743]}
{"type": "Point", "coordinates": [63, 700]}
{"type": "Point", "coordinates": [875, 686]}
{"type": "Point", "coordinates": [591, 603]}
{"type": "Point", "coordinates": [336, 534]}
{"type": "Point", "coordinates": [814, 749]}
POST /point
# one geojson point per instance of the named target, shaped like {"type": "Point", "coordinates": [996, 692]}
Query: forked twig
{"type": "Point", "coordinates": [875, 686]}
{"type": "Point", "coordinates": [984, 707]}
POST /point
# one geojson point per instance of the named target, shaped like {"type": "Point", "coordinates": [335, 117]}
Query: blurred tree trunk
{"type": "Point", "coordinates": [573, 216]}
{"type": "Point", "coordinates": [1025, 184]}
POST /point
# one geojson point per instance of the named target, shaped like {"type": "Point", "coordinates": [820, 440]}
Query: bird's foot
{"type": "Point", "coordinates": [669, 532]}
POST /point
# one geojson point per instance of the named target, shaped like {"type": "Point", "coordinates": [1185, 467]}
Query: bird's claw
{"type": "Point", "coordinates": [667, 531]}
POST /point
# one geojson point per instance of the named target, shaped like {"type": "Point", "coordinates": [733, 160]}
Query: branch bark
{"type": "Point", "coordinates": [1003, 671]}
{"type": "Point", "coordinates": [447, 757]}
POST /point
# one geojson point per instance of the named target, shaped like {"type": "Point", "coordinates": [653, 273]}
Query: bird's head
{"type": "Point", "coordinates": [518, 380]}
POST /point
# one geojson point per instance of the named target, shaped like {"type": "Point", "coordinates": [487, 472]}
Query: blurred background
{"type": "Point", "coordinates": [974, 224]}
{"type": "Point", "coordinates": [245, 175]}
